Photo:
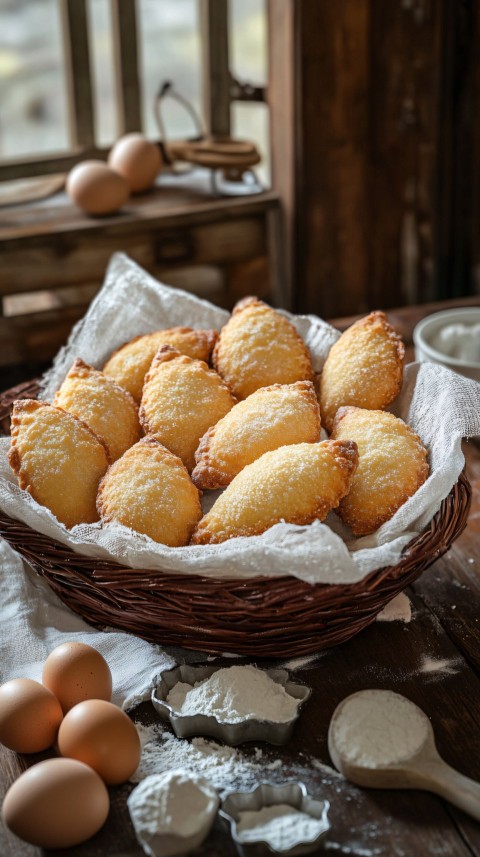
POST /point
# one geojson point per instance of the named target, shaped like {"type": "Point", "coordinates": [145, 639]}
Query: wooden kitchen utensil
{"type": "Point", "coordinates": [424, 769]}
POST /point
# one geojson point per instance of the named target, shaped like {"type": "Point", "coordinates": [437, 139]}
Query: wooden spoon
{"type": "Point", "coordinates": [422, 768]}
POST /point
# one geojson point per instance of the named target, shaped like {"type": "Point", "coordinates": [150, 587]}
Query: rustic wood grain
{"type": "Point", "coordinates": [456, 191]}
{"type": "Point", "coordinates": [127, 76]}
{"type": "Point", "coordinates": [34, 166]}
{"type": "Point", "coordinates": [70, 260]}
{"type": "Point", "coordinates": [53, 246]}
{"type": "Point", "coordinates": [374, 134]}
{"type": "Point", "coordinates": [402, 105]}
{"type": "Point", "coordinates": [452, 590]}
{"type": "Point", "coordinates": [319, 116]}
{"type": "Point", "coordinates": [281, 97]}
{"type": "Point", "coordinates": [216, 69]}
{"type": "Point", "coordinates": [78, 72]}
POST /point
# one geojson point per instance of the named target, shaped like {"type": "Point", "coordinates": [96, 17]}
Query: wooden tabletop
{"type": "Point", "coordinates": [434, 660]}
{"type": "Point", "coordinates": [174, 198]}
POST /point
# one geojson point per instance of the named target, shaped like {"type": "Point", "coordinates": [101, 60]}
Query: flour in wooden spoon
{"type": "Point", "coordinates": [376, 728]}
{"type": "Point", "coordinates": [234, 694]}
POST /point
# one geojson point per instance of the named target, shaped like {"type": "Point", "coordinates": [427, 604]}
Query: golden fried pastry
{"type": "Point", "coordinates": [392, 464]}
{"type": "Point", "coordinates": [181, 399]}
{"type": "Point", "coordinates": [273, 416]}
{"type": "Point", "coordinates": [259, 347]}
{"type": "Point", "coordinates": [103, 405]}
{"type": "Point", "coordinates": [364, 368]}
{"type": "Point", "coordinates": [296, 484]}
{"type": "Point", "coordinates": [129, 364]}
{"type": "Point", "coordinates": [149, 490]}
{"type": "Point", "coordinates": [58, 460]}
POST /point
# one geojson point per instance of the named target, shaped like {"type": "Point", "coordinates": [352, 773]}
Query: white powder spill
{"type": "Point", "coordinates": [235, 694]}
{"type": "Point", "coordinates": [303, 663]}
{"type": "Point", "coordinates": [325, 769]}
{"type": "Point", "coordinates": [229, 769]}
{"type": "Point", "coordinates": [225, 768]}
{"type": "Point", "coordinates": [357, 851]}
{"type": "Point", "coordinates": [399, 609]}
{"type": "Point", "coordinates": [444, 666]}
{"type": "Point", "coordinates": [376, 728]}
{"type": "Point", "coordinates": [281, 826]}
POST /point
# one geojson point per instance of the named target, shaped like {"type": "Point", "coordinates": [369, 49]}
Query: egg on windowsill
{"type": "Point", "coordinates": [137, 160]}
{"type": "Point", "coordinates": [96, 188]}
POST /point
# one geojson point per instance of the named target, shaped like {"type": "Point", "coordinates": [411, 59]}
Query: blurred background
{"type": "Point", "coordinates": [34, 96]}
{"type": "Point", "coordinates": [364, 112]}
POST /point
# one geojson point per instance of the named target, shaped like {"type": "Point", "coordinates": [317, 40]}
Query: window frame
{"type": "Point", "coordinates": [221, 89]}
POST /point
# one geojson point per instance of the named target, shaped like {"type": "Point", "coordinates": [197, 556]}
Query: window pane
{"type": "Point", "coordinates": [101, 52]}
{"type": "Point", "coordinates": [169, 37]}
{"type": "Point", "coordinates": [248, 40]}
{"type": "Point", "coordinates": [33, 103]}
{"type": "Point", "coordinates": [250, 121]}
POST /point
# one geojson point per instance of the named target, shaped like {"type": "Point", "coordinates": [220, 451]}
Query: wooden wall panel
{"type": "Point", "coordinates": [332, 223]}
{"type": "Point", "coordinates": [404, 57]}
{"type": "Point", "coordinates": [376, 149]}
{"type": "Point", "coordinates": [456, 192]}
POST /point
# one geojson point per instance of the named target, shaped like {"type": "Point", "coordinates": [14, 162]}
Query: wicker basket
{"type": "Point", "coordinates": [265, 617]}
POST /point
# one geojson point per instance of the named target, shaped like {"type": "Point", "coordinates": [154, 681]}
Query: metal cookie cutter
{"type": "Point", "coordinates": [230, 733]}
{"type": "Point", "coordinates": [267, 794]}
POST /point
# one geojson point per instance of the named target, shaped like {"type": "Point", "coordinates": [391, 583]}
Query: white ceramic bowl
{"type": "Point", "coordinates": [427, 330]}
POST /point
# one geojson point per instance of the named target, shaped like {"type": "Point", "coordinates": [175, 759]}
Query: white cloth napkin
{"type": "Point", "coordinates": [33, 621]}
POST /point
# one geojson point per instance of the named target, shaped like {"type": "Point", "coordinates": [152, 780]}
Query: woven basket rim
{"type": "Point", "coordinates": [309, 616]}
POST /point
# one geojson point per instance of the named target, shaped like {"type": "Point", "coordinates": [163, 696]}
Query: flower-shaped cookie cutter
{"type": "Point", "coordinates": [230, 733]}
{"type": "Point", "coordinates": [294, 795]}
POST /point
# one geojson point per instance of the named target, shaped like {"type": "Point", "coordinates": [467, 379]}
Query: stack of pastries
{"type": "Point", "coordinates": [180, 411]}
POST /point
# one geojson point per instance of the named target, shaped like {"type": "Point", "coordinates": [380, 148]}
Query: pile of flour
{"type": "Point", "coordinates": [234, 694]}
{"type": "Point", "coordinates": [225, 768]}
{"type": "Point", "coordinates": [169, 805]}
{"type": "Point", "coordinates": [281, 826]}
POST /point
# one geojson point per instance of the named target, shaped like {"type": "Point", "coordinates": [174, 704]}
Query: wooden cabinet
{"type": "Point", "coordinates": [54, 257]}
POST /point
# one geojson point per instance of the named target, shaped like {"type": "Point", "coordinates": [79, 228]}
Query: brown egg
{"type": "Point", "coordinates": [56, 804]}
{"type": "Point", "coordinates": [75, 672]}
{"type": "Point", "coordinates": [29, 716]}
{"type": "Point", "coordinates": [101, 735]}
{"type": "Point", "coordinates": [96, 188]}
{"type": "Point", "coordinates": [136, 159]}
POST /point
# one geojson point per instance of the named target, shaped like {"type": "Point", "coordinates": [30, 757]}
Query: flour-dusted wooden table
{"type": "Point", "coordinates": [434, 660]}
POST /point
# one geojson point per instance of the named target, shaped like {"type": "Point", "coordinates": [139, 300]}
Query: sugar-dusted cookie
{"type": "Point", "coordinates": [273, 416]}
{"type": "Point", "coordinates": [149, 490]}
{"type": "Point", "coordinates": [181, 399]}
{"type": "Point", "coordinates": [102, 404]}
{"type": "Point", "coordinates": [296, 484]}
{"type": "Point", "coordinates": [259, 347]}
{"type": "Point", "coordinates": [364, 368]}
{"type": "Point", "coordinates": [130, 363]}
{"type": "Point", "coordinates": [392, 464]}
{"type": "Point", "coordinates": [58, 460]}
